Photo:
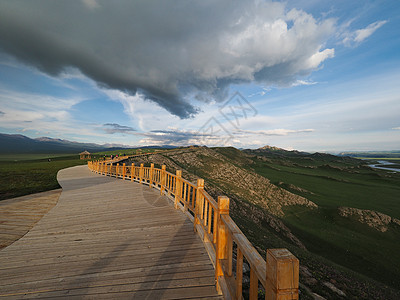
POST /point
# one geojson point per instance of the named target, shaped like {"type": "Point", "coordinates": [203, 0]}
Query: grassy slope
{"type": "Point", "coordinates": [341, 250]}
{"type": "Point", "coordinates": [334, 183]}
{"type": "Point", "coordinates": [18, 178]}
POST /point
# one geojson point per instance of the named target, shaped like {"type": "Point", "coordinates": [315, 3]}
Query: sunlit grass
{"type": "Point", "coordinates": [22, 177]}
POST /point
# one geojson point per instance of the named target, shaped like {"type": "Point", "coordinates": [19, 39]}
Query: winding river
{"type": "Point", "coordinates": [381, 165]}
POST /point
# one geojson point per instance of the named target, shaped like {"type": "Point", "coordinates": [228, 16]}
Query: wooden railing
{"type": "Point", "coordinates": [279, 274]}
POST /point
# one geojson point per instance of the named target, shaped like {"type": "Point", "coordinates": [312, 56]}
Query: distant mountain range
{"type": "Point", "coordinates": [357, 154]}
{"type": "Point", "coordinates": [18, 143]}
{"type": "Point", "coordinates": [372, 154]}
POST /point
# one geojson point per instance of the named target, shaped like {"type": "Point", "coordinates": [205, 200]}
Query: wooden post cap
{"type": "Point", "coordinates": [152, 165]}
{"type": "Point", "coordinates": [282, 275]}
{"type": "Point", "coordinates": [163, 167]}
{"type": "Point", "coordinates": [200, 183]}
{"type": "Point", "coordinates": [141, 165]}
{"type": "Point", "coordinates": [178, 173]}
{"type": "Point", "coordinates": [223, 205]}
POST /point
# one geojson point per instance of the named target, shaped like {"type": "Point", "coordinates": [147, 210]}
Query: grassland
{"type": "Point", "coordinates": [27, 174]}
{"type": "Point", "coordinates": [333, 182]}
{"type": "Point", "coordinates": [23, 157]}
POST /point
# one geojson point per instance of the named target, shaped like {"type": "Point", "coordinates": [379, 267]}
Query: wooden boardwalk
{"type": "Point", "coordinates": [19, 215]}
{"type": "Point", "coordinates": [107, 238]}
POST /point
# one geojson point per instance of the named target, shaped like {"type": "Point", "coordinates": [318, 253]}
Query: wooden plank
{"type": "Point", "coordinates": [19, 215]}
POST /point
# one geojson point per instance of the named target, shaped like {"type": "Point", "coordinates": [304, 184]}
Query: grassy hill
{"type": "Point", "coordinates": [305, 202]}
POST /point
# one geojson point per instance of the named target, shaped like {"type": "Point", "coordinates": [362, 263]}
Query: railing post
{"type": "Point", "coordinates": [117, 171]}
{"type": "Point", "coordinates": [151, 175]}
{"type": "Point", "coordinates": [282, 277]}
{"type": "Point", "coordinates": [141, 171]}
{"type": "Point", "coordinates": [123, 171]}
{"type": "Point", "coordinates": [199, 189]}
{"type": "Point", "coordinates": [163, 178]}
{"type": "Point", "coordinates": [132, 171]}
{"type": "Point", "coordinates": [222, 238]}
{"type": "Point", "coordinates": [178, 191]}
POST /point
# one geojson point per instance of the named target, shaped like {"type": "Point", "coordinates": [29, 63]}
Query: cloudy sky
{"type": "Point", "coordinates": [308, 75]}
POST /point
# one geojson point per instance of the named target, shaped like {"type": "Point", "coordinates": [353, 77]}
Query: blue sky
{"type": "Point", "coordinates": [305, 75]}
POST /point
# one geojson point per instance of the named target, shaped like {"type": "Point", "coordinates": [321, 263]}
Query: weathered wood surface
{"type": "Point", "coordinates": [19, 215]}
{"type": "Point", "coordinates": [107, 238]}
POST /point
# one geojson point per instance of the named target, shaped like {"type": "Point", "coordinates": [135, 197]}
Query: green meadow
{"type": "Point", "coordinates": [24, 157]}
{"type": "Point", "coordinates": [32, 173]}
{"type": "Point", "coordinates": [331, 183]}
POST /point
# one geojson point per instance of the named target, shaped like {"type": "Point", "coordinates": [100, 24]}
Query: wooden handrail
{"type": "Point", "coordinates": [278, 274]}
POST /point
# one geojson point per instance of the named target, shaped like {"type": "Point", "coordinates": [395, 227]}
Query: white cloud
{"type": "Point", "coordinates": [91, 4]}
{"type": "Point", "coordinates": [358, 36]}
{"type": "Point", "coordinates": [362, 34]}
{"type": "Point", "coordinates": [396, 128]}
{"type": "Point", "coordinates": [317, 58]}
{"type": "Point", "coordinates": [42, 113]}
{"type": "Point", "coordinates": [303, 82]}
{"type": "Point", "coordinates": [280, 131]}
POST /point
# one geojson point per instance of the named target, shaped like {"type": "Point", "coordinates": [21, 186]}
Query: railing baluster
{"type": "Point", "coordinates": [185, 187]}
{"type": "Point", "coordinates": [141, 173]}
{"type": "Point", "coordinates": [177, 187]}
{"type": "Point", "coordinates": [209, 218]}
{"type": "Point", "coordinates": [215, 227]}
{"type": "Point", "coordinates": [239, 273]}
{"type": "Point", "coordinates": [151, 175]}
{"type": "Point", "coordinates": [199, 196]}
{"type": "Point", "coordinates": [220, 252]}
{"type": "Point", "coordinates": [205, 213]}
{"type": "Point", "coordinates": [163, 178]}
{"type": "Point", "coordinates": [253, 284]}
{"type": "Point", "coordinates": [230, 254]}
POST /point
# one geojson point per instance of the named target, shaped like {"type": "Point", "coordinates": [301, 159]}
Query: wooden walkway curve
{"type": "Point", "coordinates": [108, 238]}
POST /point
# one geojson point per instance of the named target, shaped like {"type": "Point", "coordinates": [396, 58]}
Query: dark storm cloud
{"type": "Point", "coordinates": [168, 51]}
{"type": "Point", "coordinates": [112, 128]}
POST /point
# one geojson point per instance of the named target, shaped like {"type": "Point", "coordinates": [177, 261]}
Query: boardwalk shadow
{"type": "Point", "coordinates": [79, 183]}
{"type": "Point", "coordinates": [160, 276]}
{"type": "Point", "coordinates": [83, 283]}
